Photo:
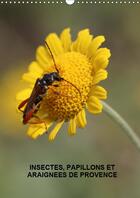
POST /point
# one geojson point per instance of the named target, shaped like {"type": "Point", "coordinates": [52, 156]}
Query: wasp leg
{"type": "Point", "coordinates": [56, 92]}
{"type": "Point", "coordinates": [38, 121]}
{"type": "Point", "coordinates": [55, 85]}
{"type": "Point", "coordinates": [22, 104]}
{"type": "Point", "coordinates": [52, 88]}
{"type": "Point", "coordinates": [21, 110]}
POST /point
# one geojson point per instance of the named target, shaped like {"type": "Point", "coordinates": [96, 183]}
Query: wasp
{"type": "Point", "coordinates": [39, 91]}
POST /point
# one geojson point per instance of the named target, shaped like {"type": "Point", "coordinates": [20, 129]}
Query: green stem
{"type": "Point", "coordinates": [122, 123]}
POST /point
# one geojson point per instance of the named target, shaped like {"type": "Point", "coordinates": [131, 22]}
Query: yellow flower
{"type": "Point", "coordinates": [82, 63]}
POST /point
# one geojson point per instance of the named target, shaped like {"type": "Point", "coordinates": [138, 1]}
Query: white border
{"type": "Point", "coordinates": [22, 2]}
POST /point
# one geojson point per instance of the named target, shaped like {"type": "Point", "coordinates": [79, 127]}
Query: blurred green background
{"type": "Point", "coordinates": [22, 29]}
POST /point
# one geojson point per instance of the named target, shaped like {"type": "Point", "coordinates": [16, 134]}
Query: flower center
{"type": "Point", "coordinates": [68, 98]}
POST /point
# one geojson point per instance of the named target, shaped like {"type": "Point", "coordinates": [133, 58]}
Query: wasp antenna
{"type": "Point", "coordinates": [51, 56]}
{"type": "Point", "coordinates": [73, 86]}
{"type": "Point", "coordinates": [57, 69]}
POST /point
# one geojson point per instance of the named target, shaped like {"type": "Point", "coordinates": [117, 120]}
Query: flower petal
{"type": "Point", "coordinates": [43, 58]}
{"type": "Point", "coordinates": [98, 92]}
{"type": "Point", "coordinates": [95, 44]}
{"type": "Point", "coordinates": [54, 132]}
{"type": "Point", "coordinates": [24, 94]}
{"type": "Point", "coordinates": [36, 130]}
{"type": "Point", "coordinates": [35, 71]}
{"type": "Point", "coordinates": [99, 76]}
{"type": "Point", "coordinates": [94, 105]}
{"type": "Point", "coordinates": [100, 62]}
{"type": "Point", "coordinates": [81, 119]}
{"type": "Point", "coordinates": [103, 51]}
{"type": "Point", "coordinates": [35, 68]}
{"type": "Point", "coordinates": [82, 42]}
{"type": "Point", "coordinates": [55, 44]}
{"type": "Point", "coordinates": [72, 126]}
{"type": "Point", "coordinates": [66, 39]}
{"type": "Point", "coordinates": [30, 77]}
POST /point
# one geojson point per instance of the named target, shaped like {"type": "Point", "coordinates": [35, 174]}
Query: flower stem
{"type": "Point", "coordinates": [122, 123]}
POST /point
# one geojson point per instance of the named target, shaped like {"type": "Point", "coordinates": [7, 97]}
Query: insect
{"type": "Point", "coordinates": [40, 89]}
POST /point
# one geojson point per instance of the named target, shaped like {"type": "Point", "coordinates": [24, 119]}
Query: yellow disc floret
{"type": "Point", "coordinates": [68, 98]}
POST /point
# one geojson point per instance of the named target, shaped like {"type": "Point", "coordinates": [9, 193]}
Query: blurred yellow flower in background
{"type": "Point", "coordinates": [9, 86]}
{"type": "Point", "coordinates": [82, 63]}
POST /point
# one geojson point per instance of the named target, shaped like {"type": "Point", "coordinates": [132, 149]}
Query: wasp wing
{"type": "Point", "coordinates": [37, 90]}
